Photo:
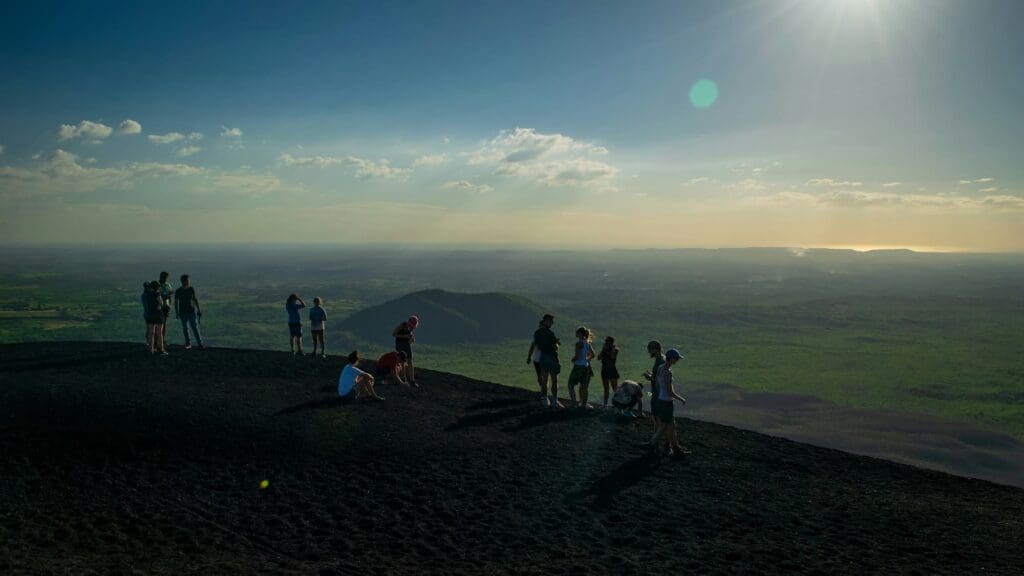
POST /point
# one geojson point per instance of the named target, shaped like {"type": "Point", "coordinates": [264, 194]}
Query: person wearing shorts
{"type": "Point", "coordinates": [582, 371]}
{"type": "Point", "coordinates": [293, 304]}
{"type": "Point", "coordinates": [165, 300]}
{"type": "Point", "coordinates": [666, 407]}
{"type": "Point", "coordinates": [609, 373]}
{"type": "Point", "coordinates": [317, 323]}
{"type": "Point", "coordinates": [404, 337]}
{"type": "Point", "coordinates": [353, 382]}
{"type": "Point", "coordinates": [547, 343]}
{"type": "Point", "coordinates": [654, 350]}
{"type": "Point", "coordinates": [154, 319]}
{"type": "Point", "coordinates": [533, 357]}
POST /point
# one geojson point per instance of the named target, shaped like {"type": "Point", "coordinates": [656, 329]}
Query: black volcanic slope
{"type": "Point", "coordinates": [449, 317]}
{"type": "Point", "coordinates": [113, 462]}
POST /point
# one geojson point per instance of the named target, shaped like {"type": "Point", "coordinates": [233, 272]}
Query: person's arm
{"type": "Point", "coordinates": [324, 312]}
{"type": "Point", "coordinates": [195, 300]}
{"type": "Point", "coordinates": [613, 354]}
{"type": "Point", "coordinates": [576, 353]}
{"type": "Point", "coordinates": [396, 372]}
{"type": "Point", "coordinates": [397, 335]}
{"type": "Point", "coordinates": [529, 355]}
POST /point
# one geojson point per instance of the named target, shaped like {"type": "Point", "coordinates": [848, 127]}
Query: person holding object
{"type": "Point", "coordinates": [186, 309]}
{"type": "Point", "coordinates": [404, 337]}
{"type": "Point", "coordinates": [353, 382]}
{"type": "Point", "coordinates": [293, 304]}
{"type": "Point", "coordinates": [666, 404]}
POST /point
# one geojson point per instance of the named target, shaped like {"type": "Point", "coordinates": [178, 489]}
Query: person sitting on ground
{"type": "Point", "coordinates": [353, 382]}
{"type": "Point", "coordinates": [404, 338]}
{"type": "Point", "coordinates": [186, 309]}
{"type": "Point", "coordinates": [581, 369]}
{"type": "Point", "coordinates": [390, 367]}
{"type": "Point", "coordinates": [293, 304]}
{"type": "Point", "coordinates": [317, 323]}
{"type": "Point", "coordinates": [609, 373]}
{"type": "Point", "coordinates": [666, 406]}
{"type": "Point", "coordinates": [629, 396]}
{"type": "Point", "coordinates": [154, 319]}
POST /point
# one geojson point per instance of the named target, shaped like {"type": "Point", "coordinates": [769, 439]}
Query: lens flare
{"type": "Point", "coordinates": [703, 93]}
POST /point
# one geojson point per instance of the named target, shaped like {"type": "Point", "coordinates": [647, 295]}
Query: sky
{"type": "Point", "coordinates": [816, 123]}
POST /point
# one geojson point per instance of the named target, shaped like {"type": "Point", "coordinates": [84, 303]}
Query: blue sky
{"type": "Point", "coordinates": [838, 122]}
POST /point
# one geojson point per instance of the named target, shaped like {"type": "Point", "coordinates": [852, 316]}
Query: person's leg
{"type": "Point", "coordinates": [151, 337]}
{"type": "Point", "coordinates": [410, 371]}
{"type": "Point", "coordinates": [193, 321]}
{"type": "Point", "coordinates": [159, 333]}
{"type": "Point", "coordinates": [605, 383]}
{"type": "Point", "coordinates": [584, 389]}
{"type": "Point", "coordinates": [184, 331]}
{"type": "Point", "coordinates": [542, 379]}
{"type": "Point", "coordinates": [554, 391]}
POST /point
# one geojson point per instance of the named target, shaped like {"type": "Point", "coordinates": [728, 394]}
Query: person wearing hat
{"type": "Point", "coordinates": [390, 367]}
{"type": "Point", "coordinates": [666, 406]}
{"type": "Point", "coordinates": [404, 338]}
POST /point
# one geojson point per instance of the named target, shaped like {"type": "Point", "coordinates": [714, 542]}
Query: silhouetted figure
{"type": "Point", "coordinates": [165, 301]}
{"type": "Point", "coordinates": [666, 405]}
{"type": "Point", "coordinates": [293, 304]}
{"type": "Point", "coordinates": [546, 341]}
{"type": "Point", "coordinates": [654, 349]}
{"type": "Point", "coordinates": [353, 382]}
{"type": "Point", "coordinates": [186, 309]}
{"type": "Point", "coordinates": [317, 325]}
{"type": "Point", "coordinates": [154, 318]}
{"type": "Point", "coordinates": [404, 337]}
{"type": "Point", "coordinates": [582, 371]}
{"type": "Point", "coordinates": [533, 357]}
{"type": "Point", "coordinates": [609, 373]}
{"type": "Point", "coordinates": [391, 366]}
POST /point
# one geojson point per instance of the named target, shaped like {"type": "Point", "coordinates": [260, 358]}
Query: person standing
{"type": "Point", "coordinates": [186, 309]}
{"type": "Point", "coordinates": [533, 357]}
{"type": "Point", "coordinates": [154, 319]}
{"type": "Point", "coordinates": [666, 406]}
{"type": "Point", "coordinates": [547, 343]}
{"type": "Point", "coordinates": [293, 304]}
{"type": "Point", "coordinates": [317, 324]}
{"type": "Point", "coordinates": [404, 337]}
{"type": "Point", "coordinates": [654, 350]}
{"type": "Point", "coordinates": [582, 371]}
{"type": "Point", "coordinates": [609, 373]}
{"type": "Point", "coordinates": [165, 301]}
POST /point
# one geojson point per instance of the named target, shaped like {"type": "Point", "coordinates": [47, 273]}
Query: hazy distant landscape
{"type": "Point", "coordinates": [894, 332]}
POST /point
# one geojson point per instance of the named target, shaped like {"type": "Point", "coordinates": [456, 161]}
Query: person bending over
{"type": "Point", "coordinates": [629, 399]}
{"type": "Point", "coordinates": [354, 383]}
{"type": "Point", "coordinates": [390, 367]}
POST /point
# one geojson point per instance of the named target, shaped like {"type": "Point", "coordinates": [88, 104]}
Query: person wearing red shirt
{"type": "Point", "coordinates": [390, 367]}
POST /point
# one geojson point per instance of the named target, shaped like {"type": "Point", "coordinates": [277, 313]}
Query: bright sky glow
{"type": "Point", "coordinates": [664, 123]}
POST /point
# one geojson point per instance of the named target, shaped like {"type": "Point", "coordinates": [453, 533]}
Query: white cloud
{"type": "Point", "coordinates": [187, 151]}
{"type": "Point", "coordinates": [243, 184]}
{"type": "Point", "coordinates": [430, 160]}
{"type": "Point", "coordinates": [985, 180]}
{"type": "Point", "coordinates": [864, 199]}
{"type": "Point", "coordinates": [830, 183]}
{"type": "Point", "coordinates": [965, 182]}
{"type": "Point", "coordinates": [989, 190]}
{"type": "Point", "coordinates": [129, 126]}
{"type": "Point", "coordinates": [364, 168]}
{"type": "Point", "coordinates": [891, 184]}
{"type": "Point", "coordinates": [230, 132]}
{"type": "Point", "coordinates": [64, 173]}
{"type": "Point", "coordinates": [699, 180]}
{"type": "Point", "coordinates": [195, 135]}
{"type": "Point", "coordinates": [92, 132]}
{"type": "Point", "coordinates": [747, 186]}
{"type": "Point", "coordinates": [467, 187]}
{"type": "Point", "coordinates": [552, 159]}
{"type": "Point", "coordinates": [165, 138]}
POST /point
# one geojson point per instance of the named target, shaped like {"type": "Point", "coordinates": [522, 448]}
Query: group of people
{"type": "Point", "coordinates": [626, 397]}
{"type": "Point", "coordinates": [157, 301]}
{"type": "Point", "coordinates": [393, 367]}
{"type": "Point", "coordinates": [317, 324]}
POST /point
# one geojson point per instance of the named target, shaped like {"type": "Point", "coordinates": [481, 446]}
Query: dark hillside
{"type": "Point", "coordinates": [114, 462]}
{"type": "Point", "coordinates": [449, 318]}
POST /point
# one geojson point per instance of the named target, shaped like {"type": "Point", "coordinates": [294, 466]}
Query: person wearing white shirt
{"type": "Point", "coordinates": [665, 408]}
{"type": "Point", "coordinates": [354, 383]}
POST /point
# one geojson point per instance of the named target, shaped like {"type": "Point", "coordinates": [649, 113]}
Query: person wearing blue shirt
{"type": "Point", "coordinates": [293, 305]}
{"type": "Point", "coordinates": [317, 324]}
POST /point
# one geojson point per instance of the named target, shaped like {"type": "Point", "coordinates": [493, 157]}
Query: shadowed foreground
{"type": "Point", "coordinates": [116, 462]}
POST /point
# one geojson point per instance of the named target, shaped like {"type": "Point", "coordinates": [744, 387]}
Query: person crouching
{"type": "Point", "coordinates": [391, 366]}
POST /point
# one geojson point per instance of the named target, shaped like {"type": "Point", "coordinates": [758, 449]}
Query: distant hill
{"type": "Point", "coordinates": [449, 318]}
